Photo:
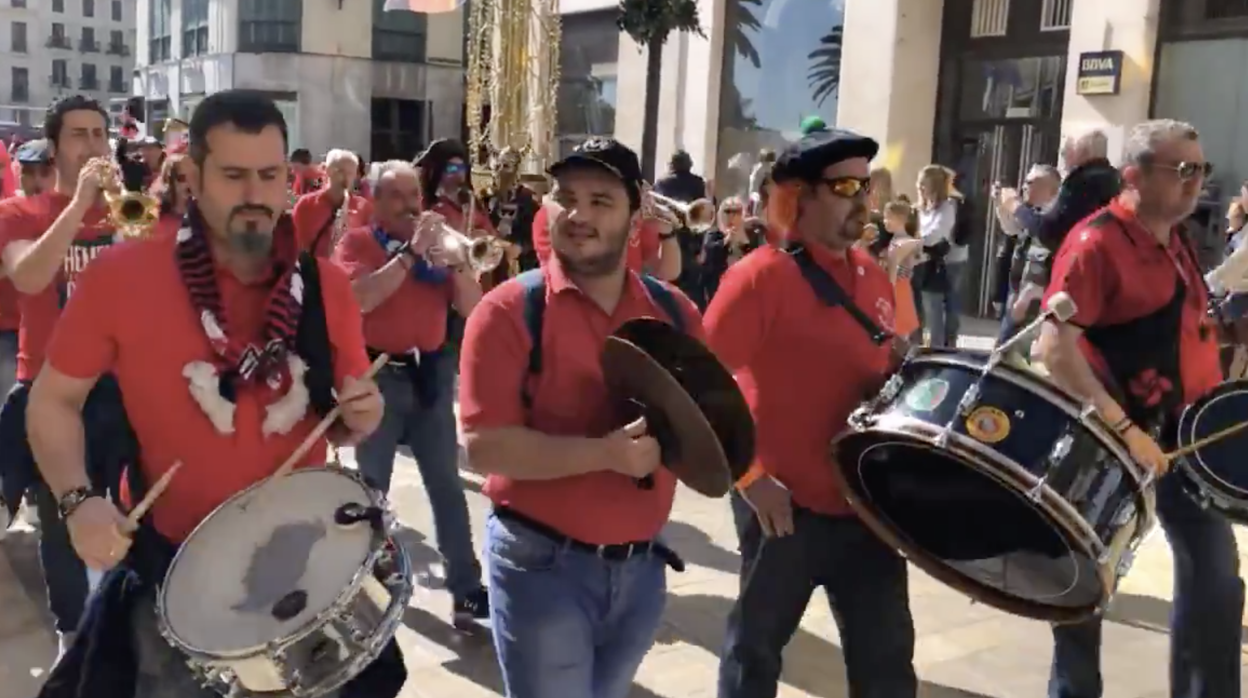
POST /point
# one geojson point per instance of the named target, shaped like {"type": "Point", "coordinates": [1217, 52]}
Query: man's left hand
{"type": "Point", "coordinates": [1010, 200]}
{"type": "Point", "coordinates": [362, 406]}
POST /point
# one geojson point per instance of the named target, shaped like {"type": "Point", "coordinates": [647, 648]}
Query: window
{"type": "Point", "coordinates": [60, 72]}
{"type": "Point", "coordinates": [19, 3]}
{"type": "Point", "coordinates": [1226, 9]}
{"type": "Point", "coordinates": [398, 128]}
{"type": "Point", "coordinates": [269, 26]}
{"type": "Point", "coordinates": [116, 79]}
{"type": "Point", "coordinates": [17, 40]}
{"type": "Point", "coordinates": [160, 43]}
{"type": "Point", "coordinates": [588, 52]}
{"type": "Point", "coordinates": [88, 8]}
{"type": "Point", "coordinates": [58, 5]}
{"type": "Point", "coordinates": [20, 91]}
{"type": "Point", "coordinates": [88, 43]}
{"type": "Point", "coordinates": [89, 79]}
{"type": "Point", "coordinates": [194, 27]}
{"type": "Point", "coordinates": [399, 36]}
{"type": "Point", "coordinates": [58, 38]}
{"type": "Point", "coordinates": [117, 43]}
{"type": "Point", "coordinates": [117, 16]}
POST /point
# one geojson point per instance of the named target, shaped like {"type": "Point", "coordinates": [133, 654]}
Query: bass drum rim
{"type": "Point", "coordinates": [1059, 513]}
{"type": "Point", "coordinates": [1201, 481]}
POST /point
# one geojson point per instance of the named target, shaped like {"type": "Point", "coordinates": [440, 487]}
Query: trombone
{"type": "Point", "coordinates": [698, 215]}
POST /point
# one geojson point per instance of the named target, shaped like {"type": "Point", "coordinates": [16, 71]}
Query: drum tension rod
{"type": "Point", "coordinates": [353, 513]}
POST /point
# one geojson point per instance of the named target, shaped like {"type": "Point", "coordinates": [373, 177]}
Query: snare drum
{"type": "Point", "coordinates": [1216, 475]}
{"type": "Point", "coordinates": [998, 484]}
{"type": "Point", "coordinates": [290, 593]}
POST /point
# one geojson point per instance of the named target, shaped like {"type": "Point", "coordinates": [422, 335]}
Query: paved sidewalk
{"type": "Point", "coordinates": [964, 650]}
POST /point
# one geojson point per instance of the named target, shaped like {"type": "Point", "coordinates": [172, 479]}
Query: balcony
{"type": "Point", "coordinates": [20, 94]}
{"type": "Point", "coordinates": [89, 46]}
{"type": "Point", "coordinates": [91, 84]}
{"type": "Point", "coordinates": [59, 42]}
{"type": "Point", "coordinates": [118, 50]}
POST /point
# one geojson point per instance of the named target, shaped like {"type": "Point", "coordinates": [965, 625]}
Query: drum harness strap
{"type": "Point", "coordinates": [534, 283]}
{"type": "Point", "coordinates": [832, 295]}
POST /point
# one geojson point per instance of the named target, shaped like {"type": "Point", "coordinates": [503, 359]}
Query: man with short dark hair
{"type": "Point", "coordinates": [180, 321]}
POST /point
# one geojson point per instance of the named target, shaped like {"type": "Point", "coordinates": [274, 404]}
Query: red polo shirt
{"type": "Point", "coordinates": [643, 246]}
{"type": "Point", "coordinates": [453, 212]}
{"type": "Point", "coordinates": [413, 317]}
{"type": "Point", "coordinates": [315, 212]}
{"type": "Point", "coordinates": [569, 399]}
{"type": "Point", "coordinates": [802, 366]}
{"type": "Point", "coordinates": [28, 219]}
{"type": "Point", "coordinates": [1115, 271]}
{"type": "Point", "coordinates": [135, 319]}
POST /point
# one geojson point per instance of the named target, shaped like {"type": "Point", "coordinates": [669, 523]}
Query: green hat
{"type": "Point", "coordinates": [811, 124]}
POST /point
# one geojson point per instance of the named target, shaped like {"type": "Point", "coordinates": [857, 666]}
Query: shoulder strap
{"type": "Point", "coordinates": [662, 295]}
{"type": "Point", "coordinates": [831, 293]}
{"type": "Point", "coordinates": [312, 341]}
{"type": "Point", "coordinates": [534, 283]}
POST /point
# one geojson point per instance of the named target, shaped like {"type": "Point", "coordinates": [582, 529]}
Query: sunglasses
{"type": "Point", "coordinates": [732, 212]}
{"type": "Point", "coordinates": [848, 187]}
{"type": "Point", "coordinates": [1186, 170]}
{"type": "Point", "coordinates": [455, 168]}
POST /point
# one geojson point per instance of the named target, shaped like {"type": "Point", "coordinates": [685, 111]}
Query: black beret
{"type": "Point", "coordinates": [807, 157]}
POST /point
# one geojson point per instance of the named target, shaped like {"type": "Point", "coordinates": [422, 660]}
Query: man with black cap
{"type": "Point", "coordinates": [576, 573]}
{"type": "Point", "coordinates": [805, 328]}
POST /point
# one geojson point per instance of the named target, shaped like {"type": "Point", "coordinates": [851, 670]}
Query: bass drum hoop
{"type": "Point", "coordinates": [313, 625]}
{"type": "Point", "coordinates": [1193, 464]}
{"type": "Point", "coordinates": [1075, 530]}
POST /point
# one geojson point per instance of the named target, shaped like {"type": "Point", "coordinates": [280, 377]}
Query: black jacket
{"type": "Point", "coordinates": [1087, 188]}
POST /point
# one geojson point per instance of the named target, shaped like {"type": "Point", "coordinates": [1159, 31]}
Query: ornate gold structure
{"type": "Point", "coordinates": [513, 72]}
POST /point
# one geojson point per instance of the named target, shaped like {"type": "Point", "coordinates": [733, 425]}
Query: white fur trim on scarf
{"type": "Point", "coordinates": [184, 234]}
{"type": "Point", "coordinates": [282, 416]}
{"type": "Point", "coordinates": [205, 384]}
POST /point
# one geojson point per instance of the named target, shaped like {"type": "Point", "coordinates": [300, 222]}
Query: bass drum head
{"type": "Point", "coordinates": [220, 593]}
{"type": "Point", "coordinates": [966, 527]}
{"type": "Point", "coordinates": [1218, 471]}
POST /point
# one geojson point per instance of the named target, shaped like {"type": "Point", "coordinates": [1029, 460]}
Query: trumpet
{"type": "Point", "coordinates": [481, 254]}
{"type": "Point", "coordinates": [698, 216]}
{"type": "Point", "coordinates": [130, 211]}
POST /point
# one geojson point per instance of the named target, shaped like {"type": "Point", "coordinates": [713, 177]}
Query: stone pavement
{"type": "Point", "coordinates": [964, 650]}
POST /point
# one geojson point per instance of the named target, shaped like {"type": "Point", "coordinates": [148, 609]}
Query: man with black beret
{"type": "Point", "coordinates": [804, 363]}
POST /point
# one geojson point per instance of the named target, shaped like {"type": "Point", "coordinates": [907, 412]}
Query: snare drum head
{"type": "Point", "coordinates": [1220, 465]}
{"type": "Point", "coordinates": [245, 569]}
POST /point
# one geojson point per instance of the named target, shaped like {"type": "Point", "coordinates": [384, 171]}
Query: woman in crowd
{"type": "Point", "coordinates": [734, 237]}
{"type": "Point", "coordinates": [939, 279]}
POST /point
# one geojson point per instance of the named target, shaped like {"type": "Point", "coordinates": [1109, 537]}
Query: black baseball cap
{"type": "Point", "coordinates": [606, 154]}
{"type": "Point", "coordinates": [818, 148]}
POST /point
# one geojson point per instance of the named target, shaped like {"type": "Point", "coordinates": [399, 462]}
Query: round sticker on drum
{"type": "Point", "coordinates": [988, 424]}
{"type": "Point", "coordinates": [928, 395]}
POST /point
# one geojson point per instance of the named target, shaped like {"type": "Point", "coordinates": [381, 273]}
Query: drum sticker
{"type": "Point", "coordinates": [927, 396]}
{"type": "Point", "coordinates": [988, 424]}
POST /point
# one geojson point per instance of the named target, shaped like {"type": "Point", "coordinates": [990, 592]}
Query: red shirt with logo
{"type": "Point", "coordinates": [314, 216]}
{"type": "Point", "coordinates": [803, 366]}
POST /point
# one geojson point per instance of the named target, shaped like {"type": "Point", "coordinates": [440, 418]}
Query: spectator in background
{"type": "Point", "coordinates": [1091, 183]}
{"type": "Point", "coordinates": [1040, 189]}
{"type": "Point", "coordinates": [940, 277]}
{"type": "Point", "coordinates": [761, 171]}
{"type": "Point", "coordinates": [680, 183]}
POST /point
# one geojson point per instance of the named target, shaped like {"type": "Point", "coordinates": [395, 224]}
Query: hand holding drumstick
{"type": "Point", "coordinates": [100, 533]}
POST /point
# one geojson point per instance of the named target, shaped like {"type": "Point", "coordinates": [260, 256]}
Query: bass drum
{"type": "Point", "coordinates": [998, 484]}
{"type": "Point", "coordinates": [1216, 475]}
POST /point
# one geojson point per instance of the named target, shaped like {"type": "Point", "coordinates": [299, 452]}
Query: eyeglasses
{"type": "Point", "coordinates": [1187, 170]}
{"type": "Point", "coordinates": [732, 212]}
{"type": "Point", "coordinates": [848, 187]}
{"type": "Point", "coordinates": [454, 168]}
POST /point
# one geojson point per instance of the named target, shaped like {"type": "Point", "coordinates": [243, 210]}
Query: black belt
{"type": "Point", "coordinates": [616, 552]}
{"type": "Point", "coordinates": [407, 360]}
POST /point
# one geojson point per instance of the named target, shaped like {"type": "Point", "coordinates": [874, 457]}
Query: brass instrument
{"type": "Point", "coordinates": [698, 216]}
{"type": "Point", "coordinates": [481, 254]}
{"type": "Point", "coordinates": [131, 211]}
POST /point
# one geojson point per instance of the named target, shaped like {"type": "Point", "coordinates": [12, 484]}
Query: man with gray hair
{"type": "Point", "coordinates": [322, 217]}
{"type": "Point", "coordinates": [1139, 349]}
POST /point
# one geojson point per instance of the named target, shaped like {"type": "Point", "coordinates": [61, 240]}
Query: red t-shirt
{"type": "Point", "coordinates": [1116, 271]}
{"type": "Point", "coordinates": [28, 219]}
{"type": "Point", "coordinates": [134, 318]}
{"type": "Point", "coordinates": [454, 215]}
{"type": "Point", "coordinates": [10, 313]}
{"type": "Point", "coordinates": [569, 399]}
{"type": "Point", "coordinates": [315, 212]}
{"type": "Point", "coordinates": [413, 317]}
{"type": "Point", "coordinates": [803, 366]}
{"type": "Point", "coordinates": [643, 245]}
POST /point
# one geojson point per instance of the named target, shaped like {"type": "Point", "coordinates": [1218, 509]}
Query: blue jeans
{"type": "Point", "coordinates": [941, 309]}
{"type": "Point", "coordinates": [8, 361]}
{"type": "Point", "coordinates": [1205, 633]}
{"type": "Point", "coordinates": [430, 433]}
{"type": "Point", "coordinates": [866, 584]}
{"type": "Point", "coordinates": [567, 622]}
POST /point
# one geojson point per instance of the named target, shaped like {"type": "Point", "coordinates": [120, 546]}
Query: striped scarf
{"type": "Point", "coordinates": [240, 362]}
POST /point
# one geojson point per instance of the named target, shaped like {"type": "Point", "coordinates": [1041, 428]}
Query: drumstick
{"type": "Point", "coordinates": [323, 426]}
{"type": "Point", "coordinates": [1212, 438]}
{"type": "Point", "coordinates": [138, 512]}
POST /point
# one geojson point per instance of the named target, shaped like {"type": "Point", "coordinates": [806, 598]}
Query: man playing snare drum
{"type": "Point", "coordinates": [1140, 348]}
{"type": "Point", "coordinates": [203, 331]}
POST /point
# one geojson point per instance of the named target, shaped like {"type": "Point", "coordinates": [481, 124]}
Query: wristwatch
{"type": "Point", "coordinates": [71, 500]}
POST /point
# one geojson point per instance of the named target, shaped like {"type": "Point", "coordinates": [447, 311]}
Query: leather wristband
{"type": "Point", "coordinates": [69, 502]}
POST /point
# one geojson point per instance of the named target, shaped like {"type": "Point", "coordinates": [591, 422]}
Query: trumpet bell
{"type": "Point", "coordinates": [481, 254]}
{"type": "Point", "coordinates": [698, 216]}
{"type": "Point", "coordinates": [131, 213]}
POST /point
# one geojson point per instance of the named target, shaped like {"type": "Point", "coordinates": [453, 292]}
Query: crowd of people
{"type": "Point", "coordinates": [255, 303]}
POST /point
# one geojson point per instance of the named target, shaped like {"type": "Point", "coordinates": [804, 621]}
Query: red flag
{"type": "Point", "coordinates": [429, 7]}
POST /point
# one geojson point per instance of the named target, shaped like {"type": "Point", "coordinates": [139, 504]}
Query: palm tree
{"type": "Point", "coordinates": [824, 75]}
{"type": "Point", "coordinates": [649, 23]}
{"type": "Point", "coordinates": [745, 23]}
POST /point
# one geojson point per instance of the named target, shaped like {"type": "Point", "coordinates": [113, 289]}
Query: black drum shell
{"type": "Point", "coordinates": [1092, 496]}
{"type": "Point", "coordinates": [1216, 475]}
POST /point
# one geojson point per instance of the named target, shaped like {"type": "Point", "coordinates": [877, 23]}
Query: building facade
{"type": "Point", "coordinates": [986, 87]}
{"type": "Point", "coordinates": [345, 73]}
{"type": "Point", "coordinates": [49, 48]}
